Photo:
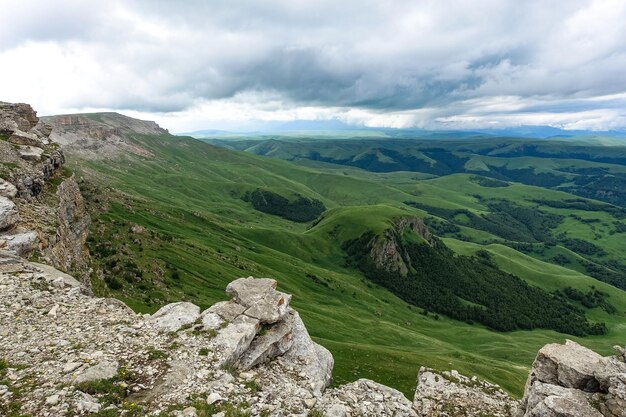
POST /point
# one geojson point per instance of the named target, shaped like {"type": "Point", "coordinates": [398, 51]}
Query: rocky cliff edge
{"type": "Point", "coordinates": [42, 212]}
{"type": "Point", "coordinates": [64, 353]}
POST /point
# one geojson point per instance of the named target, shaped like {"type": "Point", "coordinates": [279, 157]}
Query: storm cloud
{"type": "Point", "coordinates": [431, 64]}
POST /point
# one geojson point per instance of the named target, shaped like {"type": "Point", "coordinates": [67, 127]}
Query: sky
{"type": "Point", "coordinates": [241, 64]}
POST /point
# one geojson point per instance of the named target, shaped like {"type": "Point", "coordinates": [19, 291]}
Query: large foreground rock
{"type": "Point", "coordinates": [570, 365]}
{"type": "Point", "coordinates": [570, 380]}
{"type": "Point", "coordinates": [260, 298]}
{"type": "Point", "coordinates": [314, 361]}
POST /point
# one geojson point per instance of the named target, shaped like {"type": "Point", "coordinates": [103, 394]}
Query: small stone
{"type": "Point", "coordinates": [213, 398]}
{"type": "Point", "coordinates": [190, 412]}
{"type": "Point", "coordinates": [53, 310]}
{"type": "Point", "coordinates": [71, 367]}
{"type": "Point", "coordinates": [53, 399]}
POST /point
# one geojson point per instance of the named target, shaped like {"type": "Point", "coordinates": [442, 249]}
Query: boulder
{"type": "Point", "coordinates": [29, 153]}
{"type": "Point", "coordinates": [22, 243]}
{"type": "Point", "coordinates": [276, 340]}
{"type": "Point", "coordinates": [176, 315]}
{"type": "Point", "coordinates": [570, 365]}
{"type": "Point", "coordinates": [57, 278]}
{"type": "Point", "coordinates": [7, 189]}
{"type": "Point", "coordinates": [103, 370]}
{"type": "Point", "coordinates": [235, 338]}
{"type": "Point", "coordinates": [570, 381]}
{"type": "Point", "coordinates": [227, 310]}
{"type": "Point", "coordinates": [315, 362]}
{"type": "Point", "coordinates": [8, 213]}
{"type": "Point", "coordinates": [25, 138]}
{"type": "Point", "coordinates": [260, 298]}
{"type": "Point", "coordinates": [612, 379]}
{"type": "Point", "coordinates": [547, 400]}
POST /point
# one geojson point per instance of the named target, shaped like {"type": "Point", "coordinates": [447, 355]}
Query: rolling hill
{"type": "Point", "coordinates": [171, 221]}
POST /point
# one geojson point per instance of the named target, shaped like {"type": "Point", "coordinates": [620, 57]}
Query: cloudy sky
{"type": "Point", "coordinates": [232, 64]}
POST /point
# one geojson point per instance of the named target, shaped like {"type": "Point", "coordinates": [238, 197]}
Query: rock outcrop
{"type": "Point", "coordinates": [84, 355]}
{"type": "Point", "coordinates": [570, 380]}
{"type": "Point", "coordinates": [101, 135]}
{"type": "Point", "coordinates": [41, 208]}
{"type": "Point", "coordinates": [387, 251]}
{"type": "Point", "coordinates": [66, 353]}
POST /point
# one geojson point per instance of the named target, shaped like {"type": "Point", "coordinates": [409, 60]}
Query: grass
{"type": "Point", "coordinates": [200, 236]}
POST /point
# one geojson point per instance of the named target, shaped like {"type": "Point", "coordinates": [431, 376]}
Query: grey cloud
{"type": "Point", "coordinates": [167, 56]}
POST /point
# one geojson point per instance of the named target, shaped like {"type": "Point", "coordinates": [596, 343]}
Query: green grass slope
{"type": "Point", "coordinates": [197, 234]}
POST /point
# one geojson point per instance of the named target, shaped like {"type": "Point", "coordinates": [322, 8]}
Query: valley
{"type": "Point", "coordinates": [175, 219]}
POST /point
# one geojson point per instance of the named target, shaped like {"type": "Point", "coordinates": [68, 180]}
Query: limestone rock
{"type": "Point", "coordinates": [103, 370]}
{"type": "Point", "coordinates": [18, 116]}
{"type": "Point", "coordinates": [173, 316]}
{"type": "Point", "coordinates": [276, 340]}
{"type": "Point", "coordinates": [22, 243]}
{"type": "Point", "coordinates": [570, 380]}
{"type": "Point", "coordinates": [211, 321]}
{"type": "Point", "coordinates": [8, 213]}
{"type": "Point", "coordinates": [365, 398]}
{"type": "Point", "coordinates": [260, 298]}
{"type": "Point", "coordinates": [315, 361]}
{"type": "Point", "coordinates": [227, 310]}
{"type": "Point", "coordinates": [25, 138]}
{"type": "Point", "coordinates": [7, 189]}
{"type": "Point", "coordinates": [439, 392]}
{"type": "Point", "coordinates": [52, 275]}
{"type": "Point", "coordinates": [548, 400]}
{"type": "Point", "coordinates": [569, 365]}
{"type": "Point", "coordinates": [235, 338]}
{"type": "Point", "coordinates": [29, 153]}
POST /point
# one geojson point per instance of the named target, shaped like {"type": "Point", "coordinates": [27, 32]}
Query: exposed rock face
{"type": "Point", "coordinates": [174, 316]}
{"type": "Point", "coordinates": [66, 248]}
{"type": "Point", "coordinates": [35, 214]}
{"type": "Point", "coordinates": [18, 116]}
{"type": "Point", "coordinates": [101, 135]}
{"type": "Point", "coordinates": [571, 380]}
{"type": "Point", "coordinates": [8, 214]}
{"type": "Point", "coordinates": [450, 393]}
{"type": "Point", "coordinates": [387, 251]}
{"type": "Point", "coordinates": [260, 298]}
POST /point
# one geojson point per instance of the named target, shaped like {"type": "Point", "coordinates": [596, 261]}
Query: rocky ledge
{"type": "Point", "coordinates": [64, 353]}
{"type": "Point", "coordinates": [41, 208]}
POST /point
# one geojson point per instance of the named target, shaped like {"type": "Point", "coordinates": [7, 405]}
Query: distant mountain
{"type": "Point", "coordinates": [330, 126]}
{"type": "Point", "coordinates": [100, 135]}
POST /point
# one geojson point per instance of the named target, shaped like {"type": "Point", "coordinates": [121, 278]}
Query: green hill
{"type": "Point", "coordinates": [174, 224]}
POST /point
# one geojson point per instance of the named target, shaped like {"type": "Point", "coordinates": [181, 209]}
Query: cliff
{"type": "Point", "coordinates": [42, 211]}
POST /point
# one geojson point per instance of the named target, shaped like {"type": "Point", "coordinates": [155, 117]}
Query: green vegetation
{"type": "Point", "coordinates": [471, 289]}
{"type": "Point", "coordinates": [109, 391]}
{"type": "Point", "coordinates": [302, 209]}
{"type": "Point", "coordinates": [196, 234]}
